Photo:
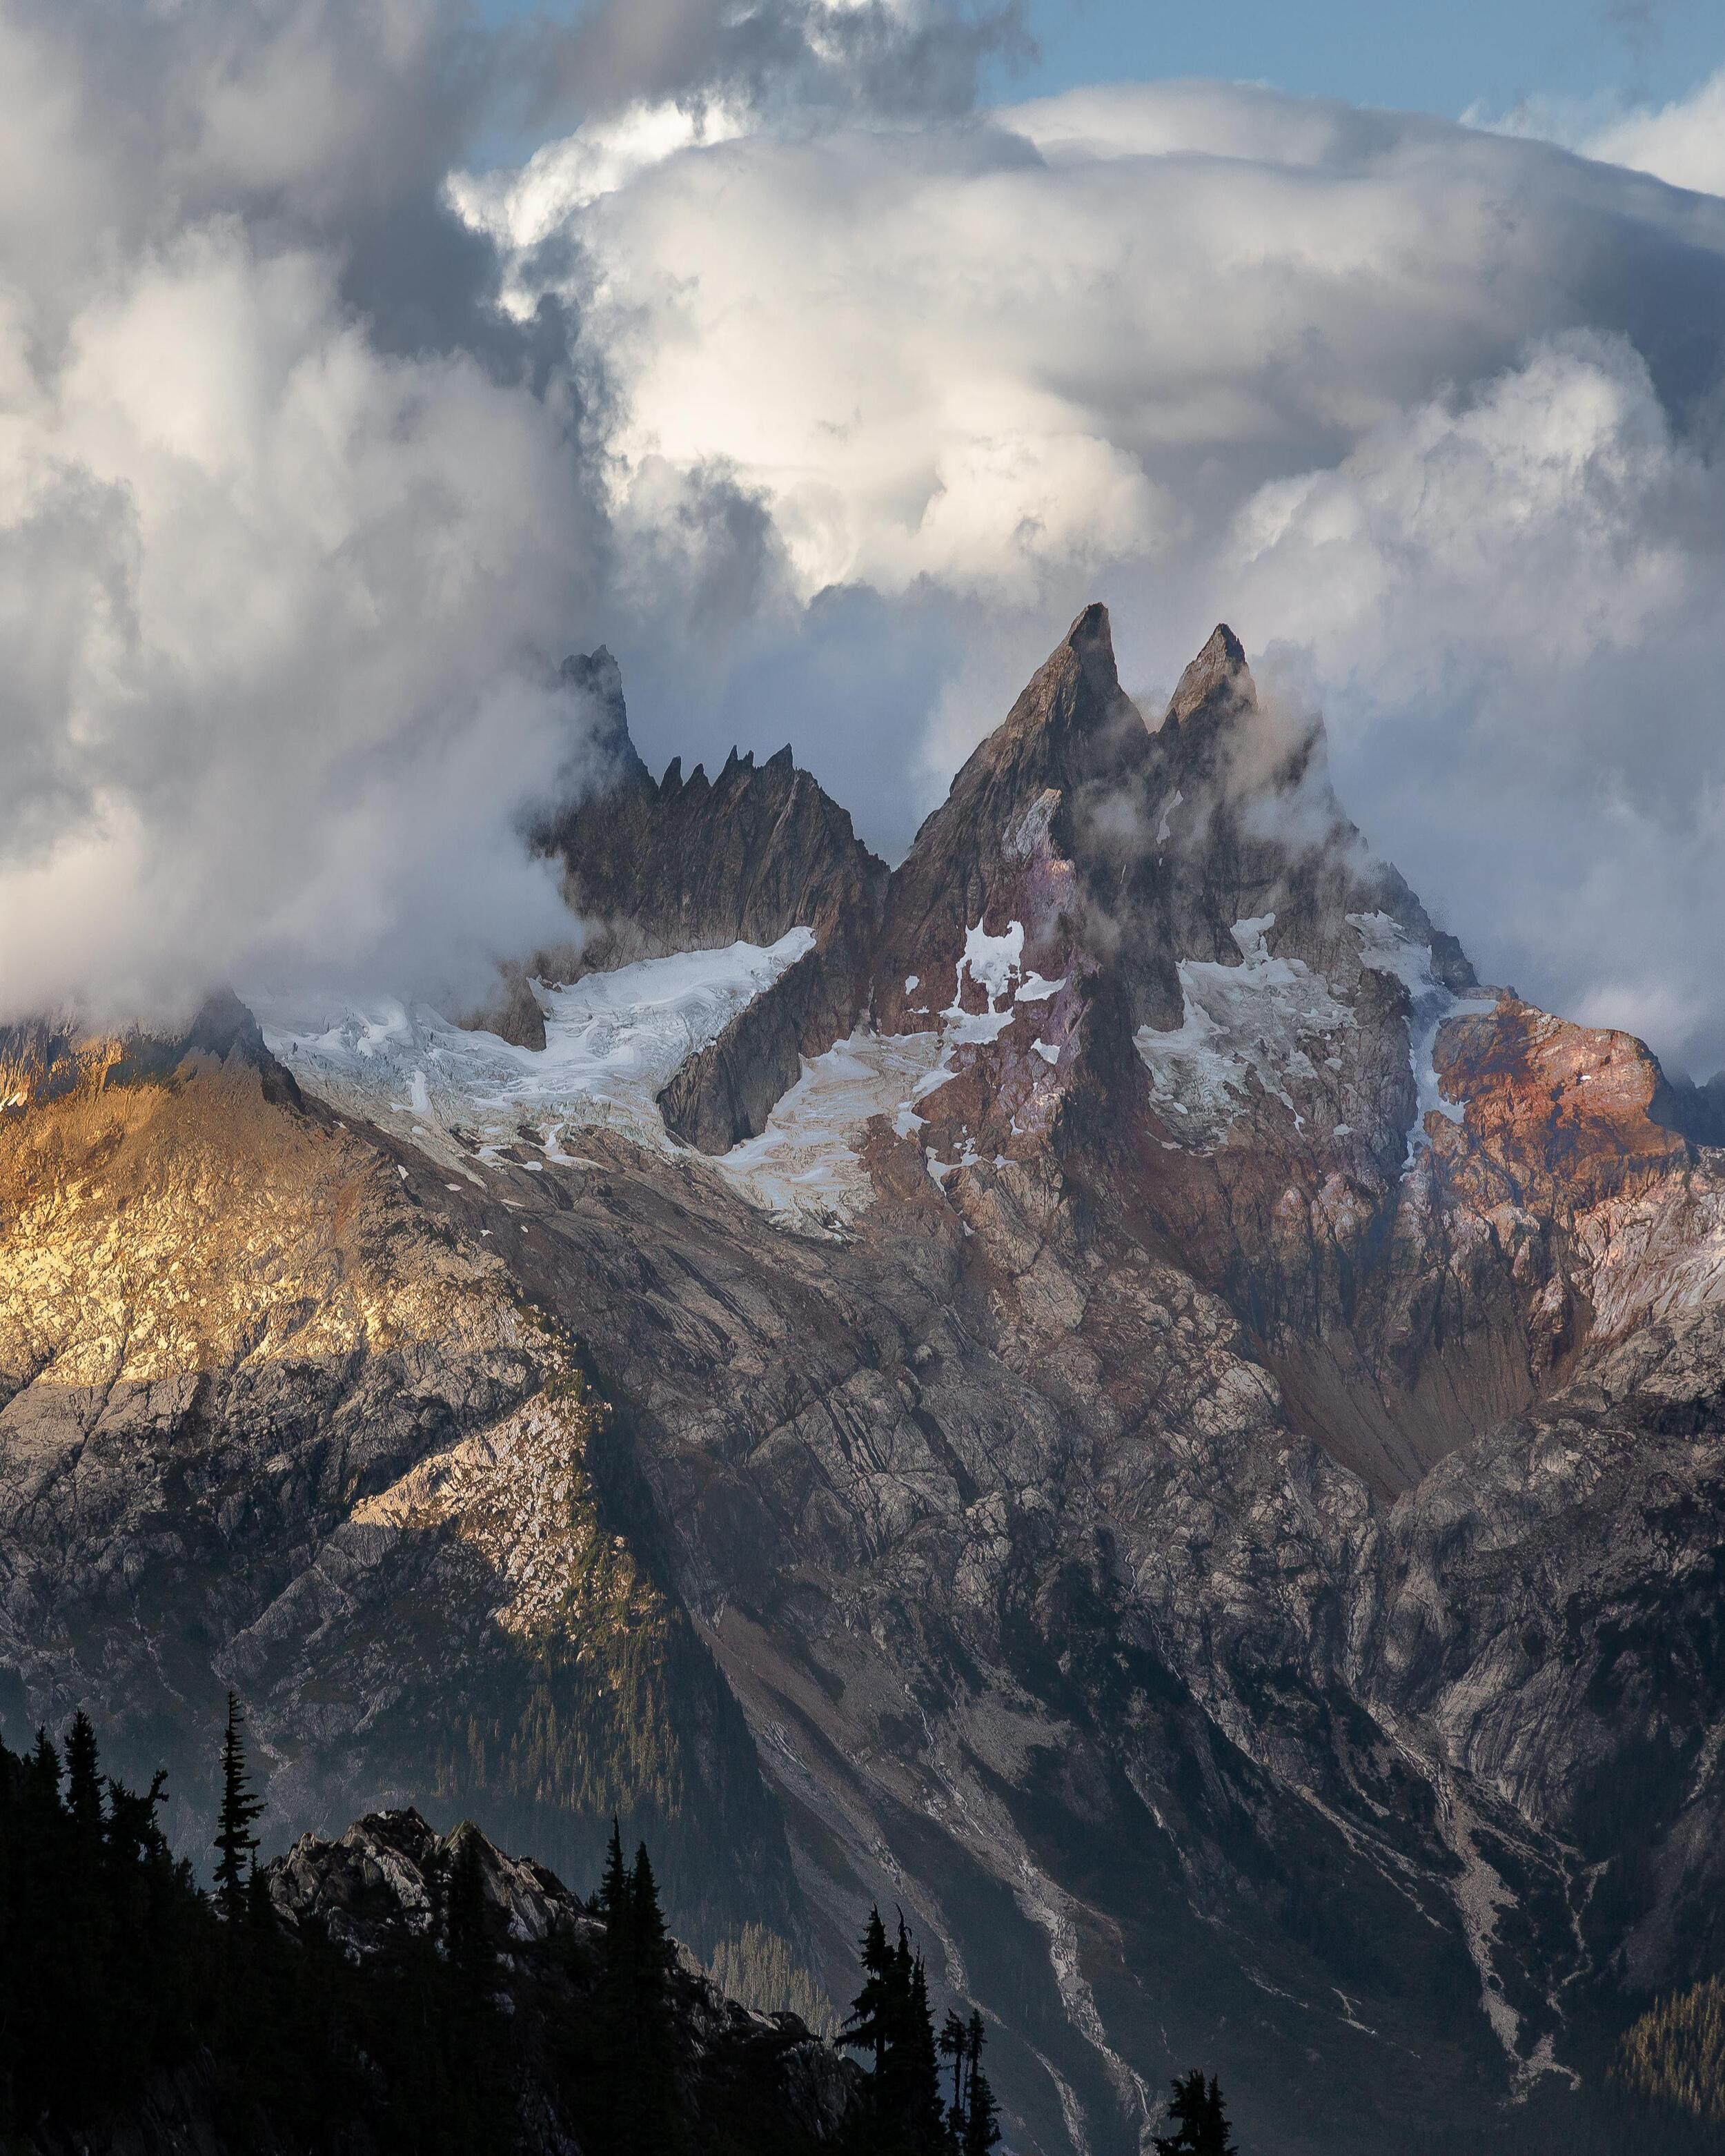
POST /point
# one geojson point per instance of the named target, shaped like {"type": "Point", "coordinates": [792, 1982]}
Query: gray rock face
{"type": "Point", "coordinates": [695, 864]}
{"type": "Point", "coordinates": [1226, 1534]}
{"type": "Point", "coordinates": [724, 1093]}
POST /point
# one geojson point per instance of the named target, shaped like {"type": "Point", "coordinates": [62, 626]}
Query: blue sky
{"type": "Point", "coordinates": [1411, 54]}
{"type": "Point", "coordinates": [1402, 53]}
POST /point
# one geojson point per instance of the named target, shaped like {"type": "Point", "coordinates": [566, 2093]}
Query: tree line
{"type": "Point", "coordinates": [929, 2095]}
{"type": "Point", "coordinates": [120, 1976]}
{"type": "Point", "coordinates": [119, 1970]}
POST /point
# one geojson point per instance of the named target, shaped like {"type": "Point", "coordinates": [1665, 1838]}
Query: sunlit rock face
{"type": "Point", "coordinates": [1099, 1388]}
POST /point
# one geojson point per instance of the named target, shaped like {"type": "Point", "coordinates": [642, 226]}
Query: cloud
{"type": "Point", "coordinates": [297, 522]}
{"type": "Point", "coordinates": [826, 399]}
{"type": "Point", "coordinates": [1428, 412]}
{"type": "Point", "coordinates": [1683, 143]}
{"type": "Point", "coordinates": [796, 58]}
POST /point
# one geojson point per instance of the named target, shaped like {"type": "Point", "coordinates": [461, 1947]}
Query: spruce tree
{"type": "Point", "coordinates": [642, 2106]}
{"type": "Point", "coordinates": [1196, 2113]}
{"type": "Point", "coordinates": [660, 2107]}
{"type": "Point", "coordinates": [471, 1959]}
{"type": "Point", "coordinates": [234, 1838]}
{"type": "Point", "coordinates": [84, 1784]}
{"type": "Point", "coordinates": [954, 2045]}
{"type": "Point", "coordinates": [613, 1896]}
{"type": "Point", "coordinates": [924, 2121]}
{"type": "Point", "coordinates": [651, 1941]}
{"type": "Point", "coordinates": [902, 2114]}
{"type": "Point", "coordinates": [868, 2028]}
{"type": "Point", "coordinates": [982, 2117]}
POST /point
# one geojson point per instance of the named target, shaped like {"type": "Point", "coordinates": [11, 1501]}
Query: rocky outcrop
{"type": "Point", "coordinates": [379, 1893]}
{"type": "Point", "coordinates": [46, 1059]}
{"type": "Point", "coordinates": [693, 864]}
{"type": "Point", "coordinates": [387, 1875]}
{"type": "Point", "coordinates": [274, 1414]}
{"type": "Point", "coordinates": [514, 1015]}
{"type": "Point", "coordinates": [724, 1093]}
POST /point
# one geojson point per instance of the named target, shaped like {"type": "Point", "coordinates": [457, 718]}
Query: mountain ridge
{"type": "Point", "coordinates": [1112, 1396]}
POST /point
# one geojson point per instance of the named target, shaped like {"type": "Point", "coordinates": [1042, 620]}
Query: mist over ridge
{"type": "Point", "coordinates": [822, 395]}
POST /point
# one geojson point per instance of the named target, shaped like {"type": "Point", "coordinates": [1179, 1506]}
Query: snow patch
{"type": "Point", "coordinates": [994, 964]}
{"type": "Point", "coordinates": [1252, 1018]}
{"type": "Point", "coordinates": [804, 1167]}
{"type": "Point", "coordinates": [1387, 947]}
{"type": "Point", "coordinates": [611, 1042]}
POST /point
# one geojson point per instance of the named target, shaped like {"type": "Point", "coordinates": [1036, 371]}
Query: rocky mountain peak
{"type": "Point", "coordinates": [1225, 1530]}
{"type": "Point", "coordinates": [597, 676]}
{"type": "Point", "coordinates": [693, 863]}
{"type": "Point", "coordinates": [44, 1059]}
{"type": "Point", "coordinates": [1072, 723]}
{"type": "Point", "coordinates": [1218, 681]}
{"type": "Point", "coordinates": [386, 1872]}
{"type": "Point", "coordinates": [1091, 638]}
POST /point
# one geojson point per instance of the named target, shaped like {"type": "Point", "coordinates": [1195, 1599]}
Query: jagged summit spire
{"type": "Point", "coordinates": [597, 676]}
{"type": "Point", "coordinates": [1219, 673]}
{"type": "Point", "coordinates": [1091, 637]}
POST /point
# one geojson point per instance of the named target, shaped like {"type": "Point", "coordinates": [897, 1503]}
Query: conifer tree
{"type": "Point", "coordinates": [651, 1941]}
{"type": "Point", "coordinates": [472, 1959]}
{"type": "Point", "coordinates": [614, 1892]}
{"type": "Point", "coordinates": [869, 2027]}
{"type": "Point", "coordinates": [661, 2110]}
{"type": "Point", "coordinates": [955, 2046]}
{"type": "Point", "coordinates": [903, 2115]}
{"type": "Point", "coordinates": [924, 2121]}
{"type": "Point", "coordinates": [644, 2108]}
{"type": "Point", "coordinates": [234, 1838]}
{"type": "Point", "coordinates": [83, 1784]}
{"type": "Point", "coordinates": [45, 1772]}
{"type": "Point", "coordinates": [1196, 2113]}
{"type": "Point", "coordinates": [982, 2117]}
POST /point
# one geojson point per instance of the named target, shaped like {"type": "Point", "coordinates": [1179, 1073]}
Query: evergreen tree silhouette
{"type": "Point", "coordinates": [982, 2117]}
{"type": "Point", "coordinates": [954, 2043]}
{"type": "Point", "coordinates": [117, 1973]}
{"type": "Point", "coordinates": [1196, 2112]}
{"type": "Point", "coordinates": [613, 1896]}
{"type": "Point", "coordinates": [870, 2026]}
{"type": "Point", "coordinates": [902, 2114]}
{"type": "Point", "coordinates": [234, 1838]}
{"type": "Point", "coordinates": [924, 2120]}
{"type": "Point", "coordinates": [472, 1959]}
{"type": "Point", "coordinates": [83, 1782]}
{"type": "Point", "coordinates": [651, 1943]}
{"type": "Point", "coordinates": [643, 2109]}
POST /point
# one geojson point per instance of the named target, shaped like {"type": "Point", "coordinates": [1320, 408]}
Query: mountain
{"type": "Point", "coordinates": [1098, 1388]}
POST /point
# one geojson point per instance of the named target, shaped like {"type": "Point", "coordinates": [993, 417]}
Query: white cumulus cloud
{"type": "Point", "coordinates": [1423, 409]}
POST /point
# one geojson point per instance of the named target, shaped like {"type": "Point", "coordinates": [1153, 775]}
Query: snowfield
{"type": "Point", "coordinates": [1268, 1017]}
{"type": "Point", "coordinates": [1258, 1016]}
{"type": "Point", "coordinates": [612, 1042]}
